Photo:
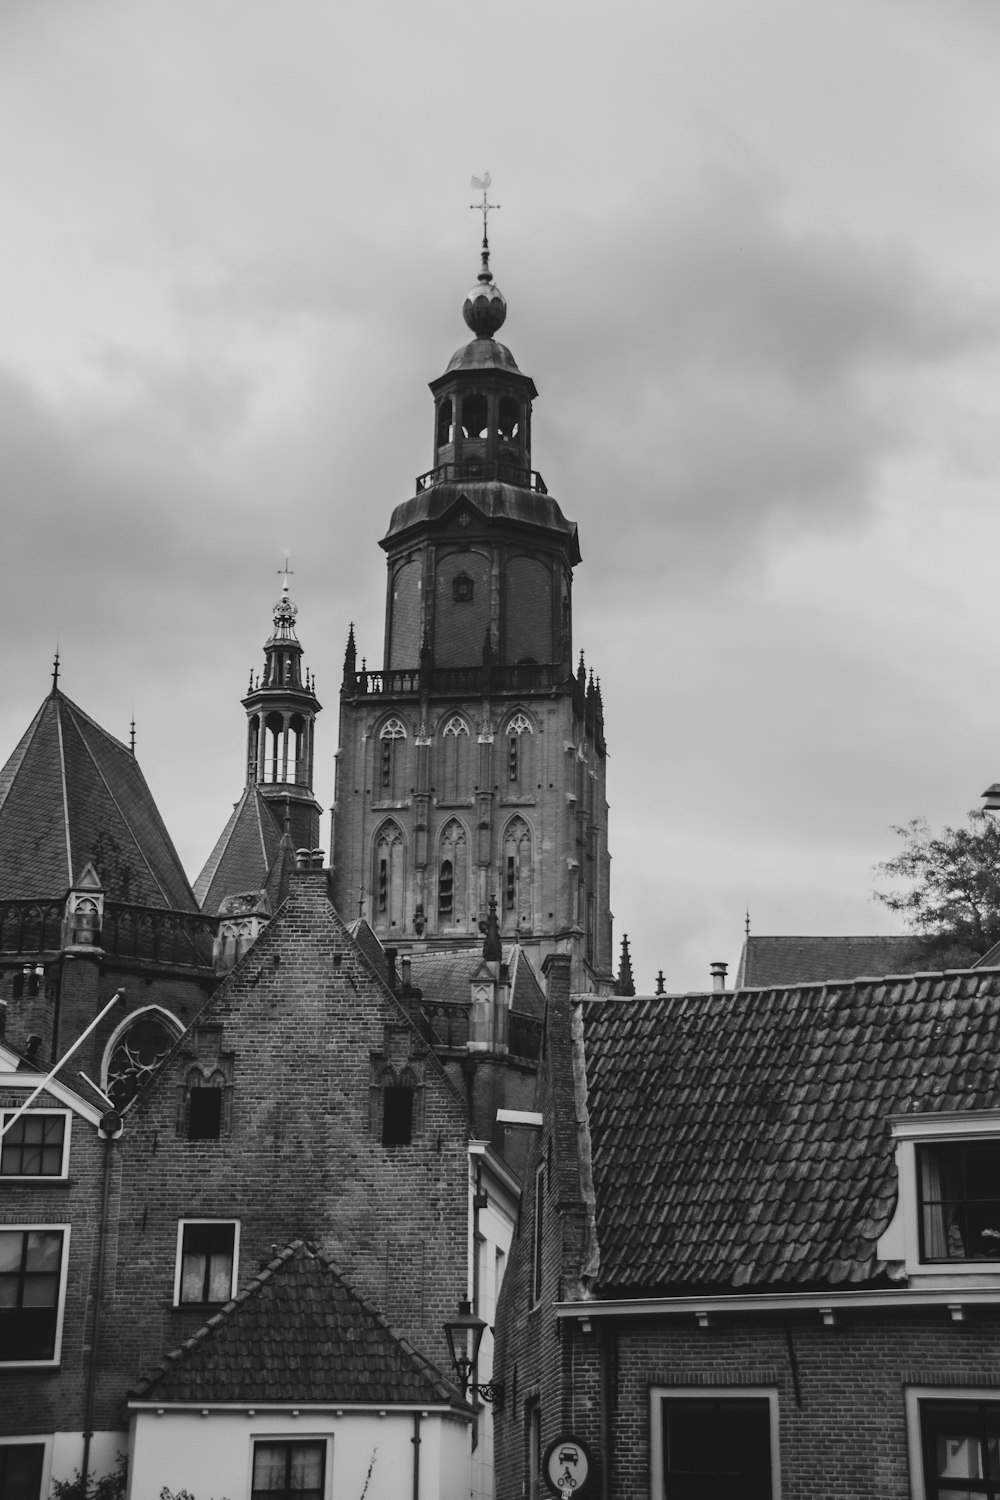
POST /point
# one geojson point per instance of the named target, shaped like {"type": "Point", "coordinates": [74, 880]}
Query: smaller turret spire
{"type": "Point", "coordinates": [625, 983]}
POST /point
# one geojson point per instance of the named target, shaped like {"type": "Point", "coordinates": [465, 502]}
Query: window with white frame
{"type": "Point", "coordinates": [289, 1470]}
{"type": "Point", "coordinates": [22, 1468]}
{"type": "Point", "coordinates": [954, 1444]}
{"type": "Point", "coordinates": [947, 1212]}
{"type": "Point", "coordinates": [35, 1145]}
{"type": "Point", "coordinates": [705, 1443]}
{"type": "Point", "coordinates": [959, 1188]}
{"type": "Point", "coordinates": [32, 1289]}
{"type": "Point", "coordinates": [206, 1261]}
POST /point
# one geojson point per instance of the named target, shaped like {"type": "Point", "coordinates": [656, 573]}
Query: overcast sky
{"type": "Point", "coordinates": [750, 255]}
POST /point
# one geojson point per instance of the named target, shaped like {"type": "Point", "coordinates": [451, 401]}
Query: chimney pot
{"type": "Point", "coordinates": [719, 971]}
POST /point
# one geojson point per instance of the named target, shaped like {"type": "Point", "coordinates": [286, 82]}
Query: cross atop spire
{"type": "Point", "coordinates": [483, 184]}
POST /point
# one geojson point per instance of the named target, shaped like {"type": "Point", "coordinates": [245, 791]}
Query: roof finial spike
{"type": "Point", "coordinates": [131, 733]}
{"type": "Point", "coordinates": [482, 184]}
{"type": "Point", "coordinates": [747, 922]}
{"type": "Point", "coordinates": [55, 671]}
{"type": "Point", "coordinates": [286, 571]}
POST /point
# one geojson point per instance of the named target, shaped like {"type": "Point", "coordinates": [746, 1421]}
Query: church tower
{"type": "Point", "coordinates": [472, 764]}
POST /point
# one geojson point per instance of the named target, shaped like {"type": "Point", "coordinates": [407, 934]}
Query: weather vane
{"type": "Point", "coordinates": [286, 570]}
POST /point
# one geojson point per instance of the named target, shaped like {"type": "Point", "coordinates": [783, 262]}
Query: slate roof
{"type": "Point", "coordinates": [804, 960]}
{"type": "Point", "coordinates": [71, 794]}
{"type": "Point", "coordinates": [742, 1140]}
{"type": "Point", "coordinates": [244, 855]}
{"type": "Point", "coordinates": [445, 974]}
{"type": "Point", "coordinates": [298, 1333]}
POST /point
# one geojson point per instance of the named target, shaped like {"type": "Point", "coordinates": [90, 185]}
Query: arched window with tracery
{"type": "Point", "coordinates": [455, 742]}
{"type": "Point", "coordinates": [388, 878]}
{"type": "Point", "coordinates": [391, 767]}
{"type": "Point", "coordinates": [519, 736]}
{"type": "Point", "coordinates": [453, 875]}
{"type": "Point", "coordinates": [516, 875]}
{"type": "Point", "coordinates": [135, 1052]}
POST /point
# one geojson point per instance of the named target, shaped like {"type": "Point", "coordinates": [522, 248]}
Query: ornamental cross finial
{"type": "Point", "coordinates": [286, 570]}
{"type": "Point", "coordinates": [482, 184]}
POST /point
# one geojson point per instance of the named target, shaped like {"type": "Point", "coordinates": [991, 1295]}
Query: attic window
{"type": "Point", "coordinates": [461, 588]}
{"type": "Point", "coordinates": [959, 1188]}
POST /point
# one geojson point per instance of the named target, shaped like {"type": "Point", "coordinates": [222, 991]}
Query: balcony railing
{"type": "Point", "coordinates": [527, 677]}
{"type": "Point", "coordinates": [480, 469]}
{"type": "Point", "coordinates": [165, 937]}
{"type": "Point", "coordinates": [445, 1024]}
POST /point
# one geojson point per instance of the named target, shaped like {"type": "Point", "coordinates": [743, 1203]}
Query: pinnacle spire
{"type": "Point", "coordinates": [492, 951]}
{"type": "Point", "coordinates": [625, 983]}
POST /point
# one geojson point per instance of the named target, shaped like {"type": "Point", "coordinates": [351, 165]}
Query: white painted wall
{"type": "Point", "coordinates": [210, 1456]}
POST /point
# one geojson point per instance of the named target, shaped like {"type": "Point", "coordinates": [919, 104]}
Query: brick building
{"type": "Point", "coordinates": [759, 1246]}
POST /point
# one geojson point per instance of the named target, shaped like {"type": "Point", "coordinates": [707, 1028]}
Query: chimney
{"type": "Point", "coordinates": [719, 971]}
{"type": "Point", "coordinates": [404, 965]}
{"type": "Point", "coordinates": [390, 969]}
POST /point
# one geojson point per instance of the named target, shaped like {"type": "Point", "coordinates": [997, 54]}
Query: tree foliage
{"type": "Point", "coordinates": [950, 896]}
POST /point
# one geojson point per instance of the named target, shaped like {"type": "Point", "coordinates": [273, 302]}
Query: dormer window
{"type": "Point", "coordinates": [461, 588]}
{"type": "Point", "coordinates": [947, 1212]}
{"type": "Point", "coordinates": [959, 1187]}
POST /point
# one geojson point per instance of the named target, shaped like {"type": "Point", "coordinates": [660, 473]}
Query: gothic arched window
{"type": "Point", "coordinates": [518, 735]}
{"type": "Point", "coordinates": [388, 878]}
{"type": "Point", "coordinates": [516, 874]}
{"type": "Point", "coordinates": [392, 761]}
{"type": "Point", "coordinates": [453, 875]}
{"type": "Point", "coordinates": [455, 743]}
{"type": "Point", "coordinates": [136, 1051]}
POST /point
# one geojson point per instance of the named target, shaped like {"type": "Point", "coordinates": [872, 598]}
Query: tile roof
{"type": "Point", "coordinates": [804, 960]}
{"type": "Point", "coordinates": [297, 1332]}
{"type": "Point", "coordinates": [444, 974]}
{"type": "Point", "coordinates": [244, 855]}
{"type": "Point", "coordinates": [71, 794]}
{"type": "Point", "coordinates": [743, 1140]}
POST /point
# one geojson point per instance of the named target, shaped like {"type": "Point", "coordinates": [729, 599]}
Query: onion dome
{"type": "Point", "coordinates": [484, 309]}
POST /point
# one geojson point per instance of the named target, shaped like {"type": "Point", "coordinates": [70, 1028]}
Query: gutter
{"type": "Point", "coordinates": [954, 1298]}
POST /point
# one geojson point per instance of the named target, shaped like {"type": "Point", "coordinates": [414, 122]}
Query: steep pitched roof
{"type": "Point", "coordinates": [444, 974]}
{"type": "Point", "coordinates": [805, 960]}
{"type": "Point", "coordinates": [72, 794]}
{"type": "Point", "coordinates": [244, 855]}
{"type": "Point", "coordinates": [297, 1332]}
{"type": "Point", "coordinates": [743, 1140]}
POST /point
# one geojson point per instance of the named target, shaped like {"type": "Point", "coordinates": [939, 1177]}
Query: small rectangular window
{"type": "Point", "coordinates": [205, 1114]}
{"type": "Point", "coordinates": [716, 1446]}
{"type": "Point", "coordinates": [35, 1145]}
{"type": "Point", "coordinates": [31, 1284]}
{"type": "Point", "coordinates": [289, 1471]}
{"type": "Point", "coordinates": [959, 1200]}
{"type": "Point", "coordinates": [397, 1116]}
{"type": "Point", "coordinates": [960, 1443]}
{"type": "Point", "coordinates": [206, 1261]}
{"type": "Point", "coordinates": [21, 1468]}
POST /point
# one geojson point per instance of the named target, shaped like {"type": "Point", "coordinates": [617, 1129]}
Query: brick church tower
{"type": "Point", "coordinates": [472, 765]}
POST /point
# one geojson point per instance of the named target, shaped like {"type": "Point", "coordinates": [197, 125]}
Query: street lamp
{"type": "Point", "coordinates": [465, 1334]}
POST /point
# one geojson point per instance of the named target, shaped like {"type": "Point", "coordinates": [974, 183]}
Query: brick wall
{"type": "Point", "coordinates": [302, 1015]}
